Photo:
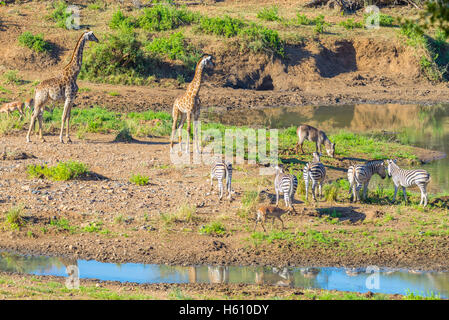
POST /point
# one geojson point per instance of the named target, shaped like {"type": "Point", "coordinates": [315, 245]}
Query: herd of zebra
{"type": "Point", "coordinates": [359, 176]}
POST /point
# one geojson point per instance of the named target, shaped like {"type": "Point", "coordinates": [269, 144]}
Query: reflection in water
{"type": "Point", "coordinates": [391, 281]}
{"type": "Point", "coordinates": [421, 126]}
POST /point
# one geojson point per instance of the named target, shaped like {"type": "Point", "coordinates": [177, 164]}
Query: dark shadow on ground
{"type": "Point", "coordinates": [342, 213]}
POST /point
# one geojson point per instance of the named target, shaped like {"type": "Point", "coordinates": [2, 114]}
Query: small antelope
{"type": "Point", "coordinates": [11, 106]}
{"type": "Point", "coordinates": [268, 212]}
{"type": "Point", "coordinates": [306, 132]}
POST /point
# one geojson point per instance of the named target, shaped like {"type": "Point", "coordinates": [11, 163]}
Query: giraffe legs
{"type": "Point", "coordinates": [67, 107]}
{"type": "Point", "coordinates": [36, 114]}
{"type": "Point", "coordinates": [68, 124]}
{"type": "Point", "coordinates": [173, 128]}
{"type": "Point", "coordinates": [189, 125]}
{"type": "Point", "coordinates": [181, 124]}
{"type": "Point", "coordinates": [196, 137]}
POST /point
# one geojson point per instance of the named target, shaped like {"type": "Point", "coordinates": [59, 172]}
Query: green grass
{"type": "Point", "coordinates": [14, 217]}
{"type": "Point", "coordinates": [139, 179]}
{"type": "Point", "coordinates": [269, 14]}
{"type": "Point", "coordinates": [350, 24]}
{"type": "Point", "coordinates": [185, 213]}
{"type": "Point", "coordinates": [63, 224]}
{"type": "Point", "coordinates": [213, 228]}
{"type": "Point", "coordinates": [63, 171]}
{"type": "Point", "coordinates": [34, 42]}
{"type": "Point", "coordinates": [12, 77]}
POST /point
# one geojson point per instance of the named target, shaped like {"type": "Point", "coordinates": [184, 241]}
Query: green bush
{"type": "Point", "coordinates": [320, 24]}
{"type": "Point", "coordinates": [34, 42]}
{"type": "Point", "coordinates": [139, 179]}
{"type": "Point", "coordinates": [385, 20]}
{"type": "Point", "coordinates": [269, 14]}
{"type": "Point", "coordinates": [350, 24]}
{"type": "Point", "coordinates": [227, 27]}
{"type": "Point", "coordinates": [14, 217]}
{"type": "Point", "coordinates": [302, 19]}
{"type": "Point", "coordinates": [214, 228]}
{"type": "Point", "coordinates": [165, 17]}
{"type": "Point", "coordinates": [12, 77]}
{"type": "Point", "coordinates": [120, 21]}
{"type": "Point", "coordinates": [118, 58]}
{"type": "Point", "coordinates": [263, 39]}
{"type": "Point", "coordinates": [175, 47]}
{"type": "Point", "coordinates": [61, 172]}
{"type": "Point", "coordinates": [60, 14]}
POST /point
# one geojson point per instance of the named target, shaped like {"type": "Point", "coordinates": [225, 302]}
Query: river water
{"type": "Point", "coordinates": [388, 281]}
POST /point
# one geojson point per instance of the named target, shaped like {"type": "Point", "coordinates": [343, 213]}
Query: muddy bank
{"type": "Point", "coordinates": [31, 287]}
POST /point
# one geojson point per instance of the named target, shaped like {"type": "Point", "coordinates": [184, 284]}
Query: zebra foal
{"type": "Point", "coordinates": [316, 172]}
{"type": "Point", "coordinates": [286, 184]}
{"type": "Point", "coordinates": [221, 171]}
{"type": "Point", "coordinates": [408, 178]}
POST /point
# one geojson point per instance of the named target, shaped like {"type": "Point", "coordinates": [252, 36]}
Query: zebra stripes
{"type": "Point", "coordinates": [286, 184]}
{"type": "Point", "coordinates": [408, 178]}
{"type": "Point", "coordinates": [222, 170]}
{"type": "Point", "coordinates": [316, 172]}
{"type": "Point", "coordinates": [360, 174]}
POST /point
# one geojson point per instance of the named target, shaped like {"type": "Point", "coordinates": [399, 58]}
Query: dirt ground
{"type": "Point", "coordinates": [133, 228]}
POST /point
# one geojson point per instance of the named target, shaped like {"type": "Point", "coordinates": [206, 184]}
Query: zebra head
{"type": "Point", "coordinates": [390, 164]}
{"type": "Point", "coordinates": [279, 168]}
{"type": "Point", "coordinates": [381, 170]}
{"type": "Point", "coordinates": [228, 165]}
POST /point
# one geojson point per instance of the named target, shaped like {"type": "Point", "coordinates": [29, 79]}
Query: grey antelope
{"type": "Point", "coordinates": [306, 132]}
{"type": "Point", "coordinates": [408, 178]}
{"type": "Point", "coordinates": [286, 184]}
{"type": "Point", "coordinates": [360, 175]}
{"type": "Point", "coordinates": [316, 172]}
{"type": "Point", "coordinates": [220, 171]}
{"type": "Point", "coordinates": [268, 212]}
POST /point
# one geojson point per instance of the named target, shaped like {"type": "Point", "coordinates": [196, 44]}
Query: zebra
{"type": "Point", "coordinates": [286, 184]}
{"type": "Point", "coordinates": [408, 178]}
{"type": "Point", "coordinates": [316, 171]}
{"type": "Point", "coordinates": [360, 174]}
{"type": "Point", "coordinates": [222, 170]}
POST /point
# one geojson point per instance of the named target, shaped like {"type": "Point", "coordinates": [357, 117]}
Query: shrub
{"type": "Point", "coordinates": [320, 24]}
{"type": "Point", "coordinates": [139, 179]}
{"type": "Point", "coordinates": [119, 58]}
{"type": "Point", "coordinates": [214, 228]}
{"type": "Point", "coordinates": [350, 24]}
{"type": "Point", "coordinates": [165, 17]}
{"type": "Point", "coordinates": [263, 39]}
{"type": "Point", "coordinates": [34, 42]}
{"type": "Point", "coordinates": [174, 47]}
{"type": "Point", "coordinates": [269, 14]}
{"type": "Point", "coordinates": [227, 27]}
{"type": "Point", "coordinates": [61, 172]}
{"type": "Point", "coordinates": [60, 14]}
{"type": "Point", "coordinates": [120, 21]}
{"type": "Point", "coordinates": [14, 217]}
{"type": "Point", "coordinates": [302, 19]}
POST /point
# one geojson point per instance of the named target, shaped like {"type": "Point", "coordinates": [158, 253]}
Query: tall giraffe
{"type": "Point", "coordinates": [189, 103]}
{"type": "Point", "coordinates": [61, 87]}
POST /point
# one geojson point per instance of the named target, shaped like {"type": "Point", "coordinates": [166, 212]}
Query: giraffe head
{"type": "Point", "coordinates": [206, 61]}
{"type": "Point", "coordinates": [89, 36]}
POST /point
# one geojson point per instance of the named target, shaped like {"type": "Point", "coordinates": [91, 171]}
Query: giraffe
{"type": "Point", "coordinates": [61, 87]}
{"type": "Point", "coordinates": [189, 104]}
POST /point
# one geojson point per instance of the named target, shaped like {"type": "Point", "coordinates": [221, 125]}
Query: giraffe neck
{"type": "Point", "coordinates": [73, 68]}
{"type": "Point", "coordinates": [194, 86]}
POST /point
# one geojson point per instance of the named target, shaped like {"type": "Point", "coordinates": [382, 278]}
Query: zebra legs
{"type": "Point", "coordinates": [395, 193]}
{"type": "Point", "coordinates": [405, 194]}
{"type": "Point", "coordinates": [423, 195]}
